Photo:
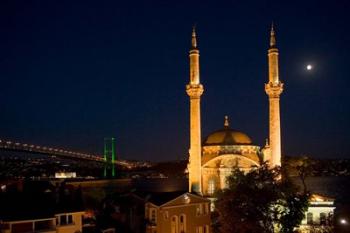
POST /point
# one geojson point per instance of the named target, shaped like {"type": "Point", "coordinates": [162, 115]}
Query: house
{"type": "Point", "coordinates": [160, 212]}
{"type": "Point", "coordinates": [69, 222]}
{"type": "Point", "coordinates": [169, 213]}
{"type": "Point", "coordinates": [319, 215]}
{"type": "Point", "coordinates": [41, 207]}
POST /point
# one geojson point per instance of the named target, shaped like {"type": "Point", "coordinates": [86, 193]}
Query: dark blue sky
{"type": "Point", "coordinates": [74, 72]}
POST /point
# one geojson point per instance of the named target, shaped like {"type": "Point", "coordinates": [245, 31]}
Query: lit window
{"type": "Point", "coordinates": [212, 206]}
{"type": "Point", "coordinates": [211, 187]}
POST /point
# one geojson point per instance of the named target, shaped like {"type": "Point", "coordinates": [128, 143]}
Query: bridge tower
{"type": "Point", "coordinates": [109, 156]}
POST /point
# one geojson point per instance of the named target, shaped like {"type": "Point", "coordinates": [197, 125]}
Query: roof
{"type": "Point", "coordinates": [227, 137]}
{"type": "Point", "coordinates": [320, 198]}
{"type": "Point", "coordinates": [165, 199]}
{"type": "Point", "coordinates": [159, 198]}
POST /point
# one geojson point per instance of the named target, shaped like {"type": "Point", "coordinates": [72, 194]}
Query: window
{"type": "Point", "coordinates": [323, 218]}
{"type": "Point", "coordinates": [212, 206]}
{"type": "Point", "coordinates": [166, 215]}
{"type": "Point", "coordinates": [211, 187]}
{"type": "Point", "coordinates": [63, 220]}
{"type": "Point", "coordinates": [199, 209]}
{"type": "Point", "coordinates": [309, 219]}
{"type": "Point", "coordinates": [206, 208]}
{"type": "Point", "coordinates": [70, 219]}
{"type": "Point", "coordinates": [153, 216]}
{"type": "Point", "coordinates": [174, 224]}
{"type": "Point", "coordinates": [182, 223]}
{"type": "Point", "coordinates": [42, 225]}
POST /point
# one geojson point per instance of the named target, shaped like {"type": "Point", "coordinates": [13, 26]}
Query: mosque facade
{"type": "Point", "coordinates": [214, 158]}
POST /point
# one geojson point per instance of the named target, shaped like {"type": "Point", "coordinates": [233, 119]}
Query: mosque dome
{"type": "Point", "coordinates": [227, 137]}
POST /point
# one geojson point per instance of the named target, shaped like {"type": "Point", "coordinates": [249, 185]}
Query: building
{"type": "Point", "coordinates": [40, 206]}
{"type": "Point", "coordinates": [319, 216]}
{"type": "Point", "coordinates": [65, 175]}
{"type": "Point", "coordinates": [160, 212]}
{"type": "Point", "coordinates": [177, 214]}
{"type": "Point", "coordinates": [223, 150]}
{"type": "Point", "coordinates": [64, 222]}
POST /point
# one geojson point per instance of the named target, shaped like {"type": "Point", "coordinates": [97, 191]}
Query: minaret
{"type": "Point", "coordinates": [194, 90]}
{"type": "Point", "coordinates": [273, 89]}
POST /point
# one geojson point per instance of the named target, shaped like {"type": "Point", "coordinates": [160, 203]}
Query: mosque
{"type": "Point", "coordinates": [214, 158]}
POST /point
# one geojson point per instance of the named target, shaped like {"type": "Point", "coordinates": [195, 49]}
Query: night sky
{"type": "Point", "coordinates": [74, 72]}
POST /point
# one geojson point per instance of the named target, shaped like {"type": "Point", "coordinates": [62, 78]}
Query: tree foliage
{"type": "Point", "coordinates": [260, 201]}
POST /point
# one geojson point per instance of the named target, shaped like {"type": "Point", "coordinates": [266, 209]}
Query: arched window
{"type": "Point", "coordinates": [174, 224]}
{"type": "Point", "coordinates": [182, 223]}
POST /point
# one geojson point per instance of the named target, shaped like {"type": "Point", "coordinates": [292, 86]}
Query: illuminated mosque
{"type": "Point", "coordinates": [214, 158]}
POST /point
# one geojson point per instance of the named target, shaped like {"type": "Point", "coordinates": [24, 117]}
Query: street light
{"type": "Point", "coordinates": [343, 221]}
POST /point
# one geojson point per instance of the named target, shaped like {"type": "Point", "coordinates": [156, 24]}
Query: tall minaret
{"type": "Point", "coordinates": [273, 89]}
{"type": "Point", "coordinates": [194, 90]}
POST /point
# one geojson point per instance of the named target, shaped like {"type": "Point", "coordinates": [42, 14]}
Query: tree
{"type": "Point", "coordinates": [260, 201]}
{"type": "Point", "coordinates": [301, 167]}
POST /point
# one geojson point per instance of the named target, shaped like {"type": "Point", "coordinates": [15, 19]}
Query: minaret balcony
{"type": "Point", "coordinates": [274, 90]}
{"type": "Point", "coordinates": [194, 90]}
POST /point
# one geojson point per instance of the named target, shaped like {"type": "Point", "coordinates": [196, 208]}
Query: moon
{"type": "Point", "coordinates": [309, 67]}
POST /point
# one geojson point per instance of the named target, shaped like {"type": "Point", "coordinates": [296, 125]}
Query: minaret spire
{"type": "Point", "coordinates": [272, 37]}
{"type": "Point", "coordinates": [194, 38]}
{"type": "Point", "coordinates": [274, 89]}
{"type": "Point", "coordinates": [194, 59]}
{"type": "Point", "coordinates": [226, 122]}
{"type": "Point", "coordinates": [194, 90]}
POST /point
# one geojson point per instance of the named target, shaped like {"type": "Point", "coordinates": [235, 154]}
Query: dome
{"type": "Point", "coordinates": [227, 137]}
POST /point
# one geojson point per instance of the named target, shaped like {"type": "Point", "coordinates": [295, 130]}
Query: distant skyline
{"type": "Point", "coordinates": [73, 73]}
